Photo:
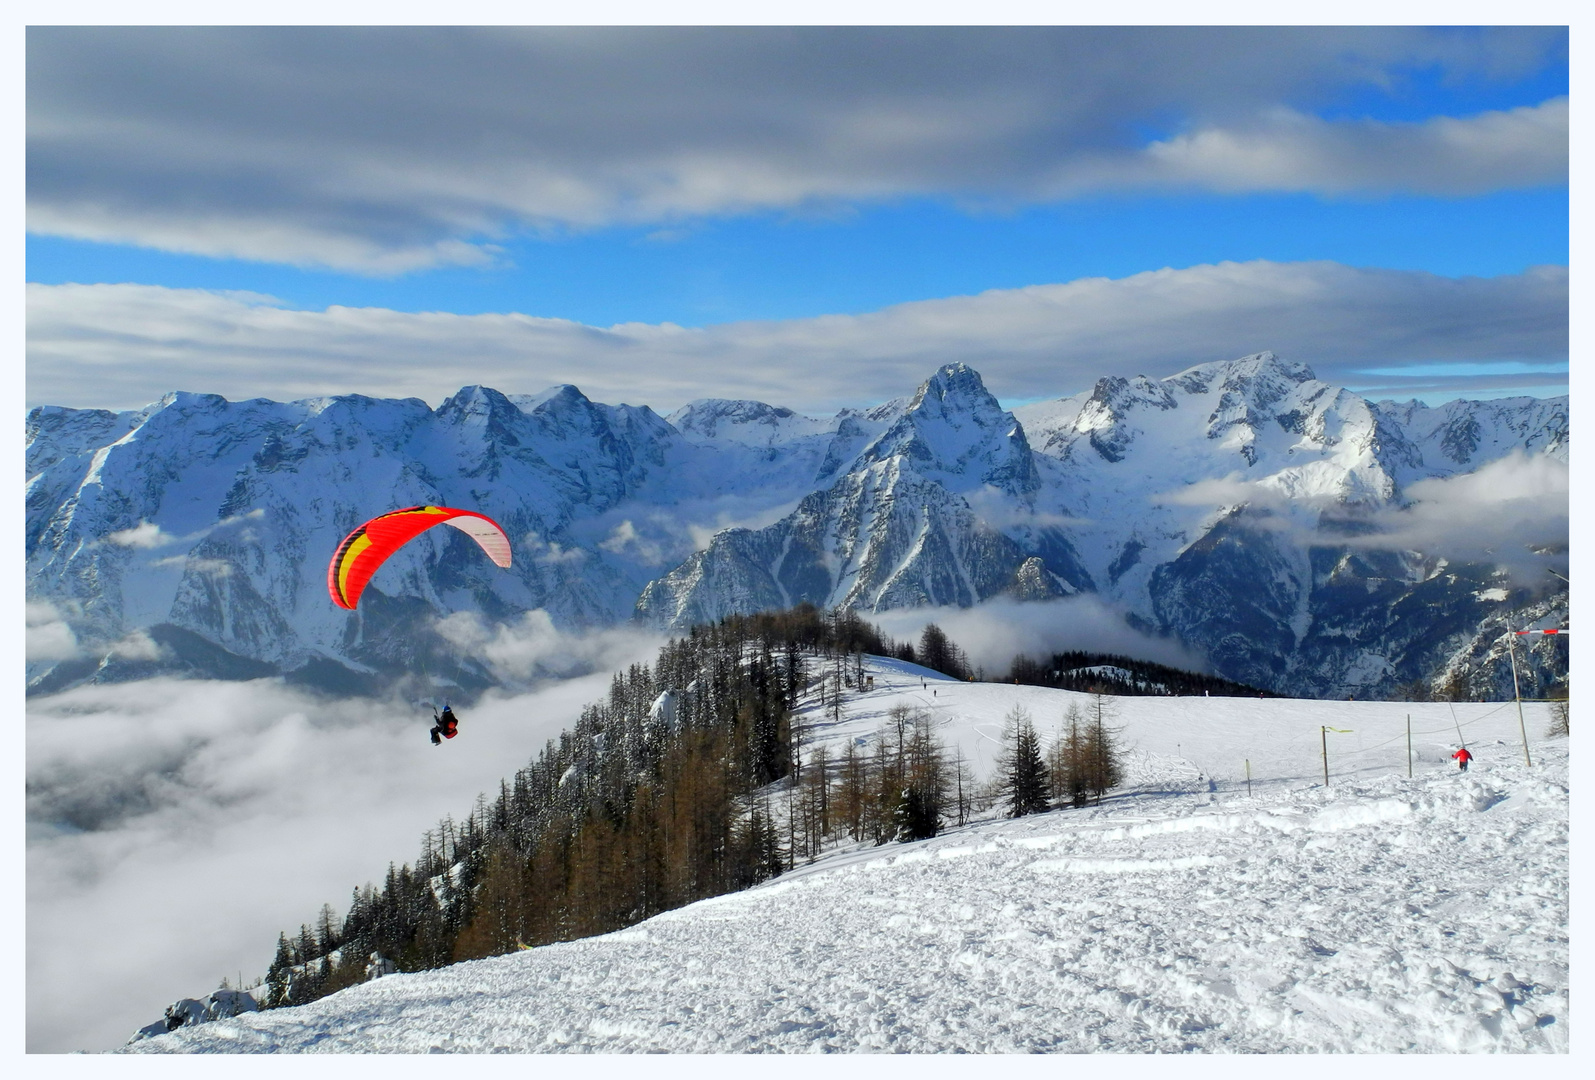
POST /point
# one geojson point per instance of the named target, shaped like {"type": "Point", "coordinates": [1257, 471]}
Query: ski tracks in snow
{"type": "Point", "coordinates": [1380, 915]}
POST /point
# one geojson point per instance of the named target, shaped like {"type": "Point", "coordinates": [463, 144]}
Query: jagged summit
{"type": "Point", "coordinates": [478, 405]}
{"type": "Point", "coordinates": [956, 433]}
{"type": "Point", "coordinates": [1264, 365]}
{"type": "Point", "coordinates": [958, 383]}
{"type": "Point", "coordinates": [750, 423]}
{"type": "Point", "coordinates": [563, 395]}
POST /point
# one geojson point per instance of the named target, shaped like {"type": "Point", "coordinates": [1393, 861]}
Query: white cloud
{"type": "Point", "coordinates": [144, 535]}
{"type": "Point", "coordinates": [994, 632]}
{"type": "Point", "coordinates": [1229, 490]}
{"type": "Point", "coordinates": [663, 537]}
{"type": "Point", "coordinates": [48, 637]}
{"type": "Point", "coordinates": [122, 346]}
{"type": "Point", "coordinates": [703, 536]}
{"type": "Point", "coordinates": [624, 539]}
{"type": "Point", "coordinates": [148, 535]}
{"type": "Point", "coordinates": [1272, 505]}
{"type": "Point", "coordinates": [704, 519]}
{"type": "Point", "coordinates": [1287, 151]}
{"type": "Point", "coordinates": [531, 649]}
{"type": "Point", "coordinates": [187, 822]}
{"type": "Point", "coordinates": [322, 147]}
{"type": "Point", "coordinates": [998, 509]}
{"type": "Point", "coordinates": [1502, 513]}
{"type": "Point", "coordinates": [552, 553]}
{"type": "Point", "coordinates": [212, 567]}
{"type": "Point", "coordinates": [137, 646]}
{"type": "Point", "coordinates": [699, 522]}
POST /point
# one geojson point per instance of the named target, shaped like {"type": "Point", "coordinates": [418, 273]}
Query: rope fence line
{"type": "Point", "coordinates": [1433, 731]}
{"type": "Point", "coordinates": [1349, 762]}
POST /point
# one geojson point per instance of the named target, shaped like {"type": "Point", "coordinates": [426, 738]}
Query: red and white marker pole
{"type": "Point", "coordinates": [1516, 694]}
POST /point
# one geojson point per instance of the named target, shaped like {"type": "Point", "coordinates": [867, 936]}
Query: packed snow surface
{"type": "Point", "coordinates": [1377, 914]}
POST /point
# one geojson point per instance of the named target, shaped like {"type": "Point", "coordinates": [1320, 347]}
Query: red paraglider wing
{"type": "Point", "coordinates": [369, 546]}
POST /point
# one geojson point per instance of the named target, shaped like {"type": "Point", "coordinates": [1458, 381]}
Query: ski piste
{"type": "Point", "coordinates": [1378, 914]}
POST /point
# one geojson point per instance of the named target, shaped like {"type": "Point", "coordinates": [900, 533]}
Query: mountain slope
{"type": "Point", "coordinates": [1187, 913]}
{"type": "Point", "coordinates": [896, 530]}
{"type": "Point", "coordinates": [1216, 505]}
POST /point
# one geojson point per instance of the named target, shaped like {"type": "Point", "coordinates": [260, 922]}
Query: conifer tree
{"type": "Point", "coordinates": [1022, 772]}
{"type": "Point", "coordinates": [924, 778]}
{"type": "Point", "coordinates": [938, 652]}
{"type": "Point", "coordinates": [278, 975]}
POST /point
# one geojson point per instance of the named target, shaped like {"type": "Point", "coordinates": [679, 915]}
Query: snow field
{"type": "Point", "coordinates": [1377, 915]}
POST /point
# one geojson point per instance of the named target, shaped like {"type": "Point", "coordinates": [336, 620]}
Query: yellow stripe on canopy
{"type": "Point", "coordinates": [361, 542]}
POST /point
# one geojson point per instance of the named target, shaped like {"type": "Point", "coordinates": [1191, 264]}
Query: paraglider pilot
{"type": "Point", "coordinates": [446, 726]}
{"type": "Point", "coordinates": [1463, 757]}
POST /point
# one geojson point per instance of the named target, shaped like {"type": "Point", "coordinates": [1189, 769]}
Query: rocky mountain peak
{"type": "Point", "coordinates": [714, 417]}
{"type": "Point", "coordinates": [1261, 378]}
{"type": "Point", "coordinates": [953, 386]}
{"type": "Point", "coordinates": [555, 399]}
{"type": "Point", "coordinates": [475, 403]}
{"type": "Point", "coordinates": [955, 432]}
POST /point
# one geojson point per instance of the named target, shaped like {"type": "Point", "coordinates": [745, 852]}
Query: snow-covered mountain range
{"type": "Point", "coordinates": [1213, 506]}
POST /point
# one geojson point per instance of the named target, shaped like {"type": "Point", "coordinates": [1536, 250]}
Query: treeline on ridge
{"type": "Point", "coordinates": [1122, 676]}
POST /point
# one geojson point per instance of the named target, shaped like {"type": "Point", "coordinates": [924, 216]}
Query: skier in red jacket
{"type": "Point", "coordinates": [1463, 757]}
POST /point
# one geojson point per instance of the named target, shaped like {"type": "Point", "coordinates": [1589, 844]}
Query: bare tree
{"type": "Point", "coordinates": [1105, 760]}
{"type": "Point", "coordinates": [1559, 719]}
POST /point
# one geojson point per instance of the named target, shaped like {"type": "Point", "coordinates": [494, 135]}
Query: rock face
{"type": "Point", "coordinates": [185, 1012]}
{"type": "Point", "coordinates": [1216, 505]}
{"type": "Point", "coordinates": [896, 530]}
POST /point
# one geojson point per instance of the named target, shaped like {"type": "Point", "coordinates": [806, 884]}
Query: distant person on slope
{"type": "Point", "coordinates": [447, 726]}
{"type": "Point", "coordinates": [1463, 757]}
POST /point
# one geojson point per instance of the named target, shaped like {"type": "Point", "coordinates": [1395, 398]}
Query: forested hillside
{"type": "Point", "coordinates": [649, 802]}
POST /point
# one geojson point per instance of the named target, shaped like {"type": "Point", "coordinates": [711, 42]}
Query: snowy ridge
{"type": "Point", "coordinates": [896, 530]}
{"type": "Point", "coordinates": [1381, 914]}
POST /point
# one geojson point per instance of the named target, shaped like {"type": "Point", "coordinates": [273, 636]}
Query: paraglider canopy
{"type": "Point", "coordinates": [369, 546]}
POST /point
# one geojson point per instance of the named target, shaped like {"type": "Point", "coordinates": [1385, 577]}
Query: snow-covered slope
{"type": "Point", "coordinates": [192, 536]}
{"type": "Point", "coordinates": [1187, 913]}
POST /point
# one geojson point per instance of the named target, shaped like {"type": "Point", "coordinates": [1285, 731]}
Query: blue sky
{"type": "Point", "coordinates": [788, 266]}
{"type": "Point", "coordinates": [711, 178]}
